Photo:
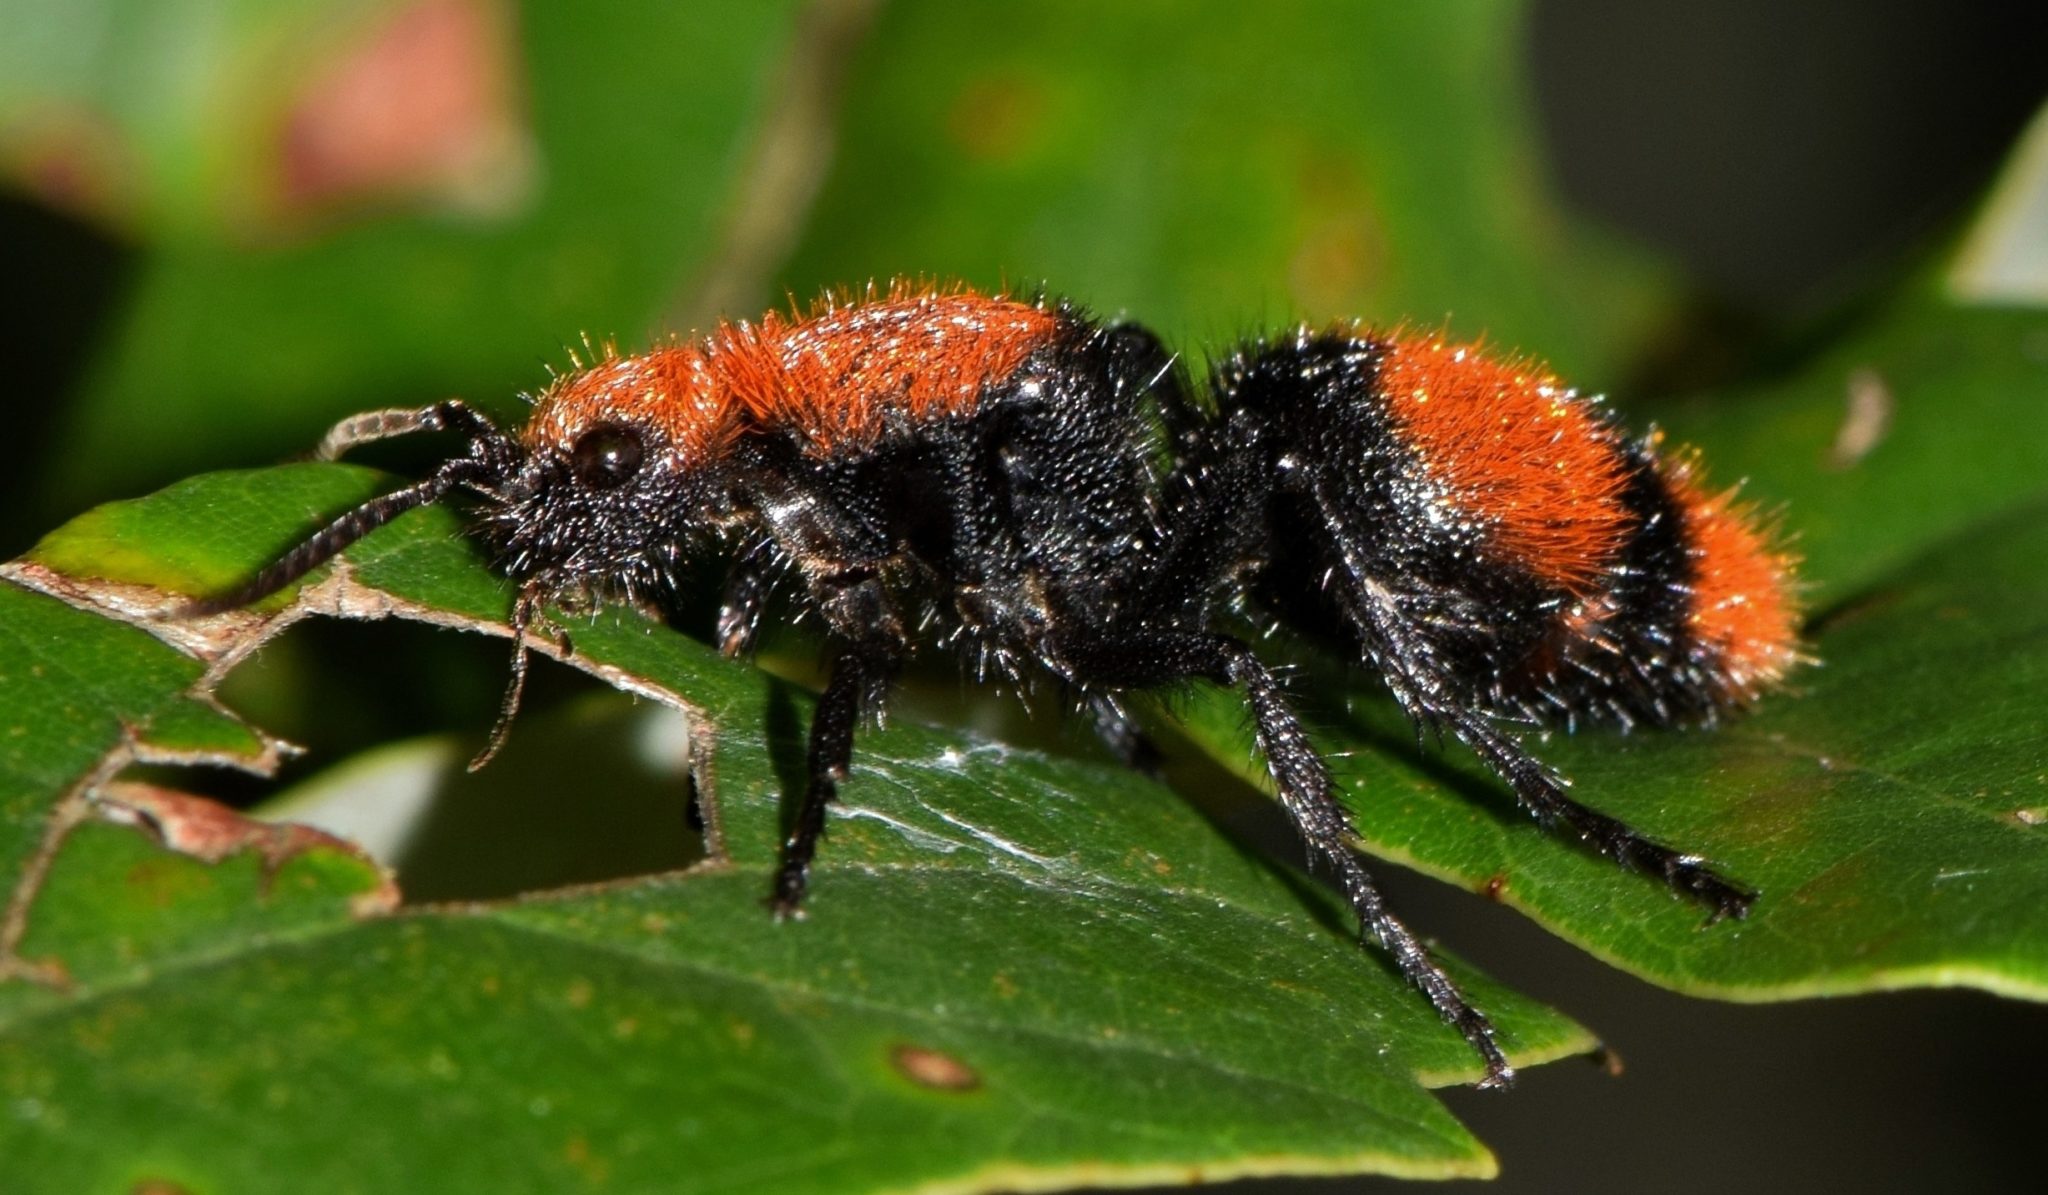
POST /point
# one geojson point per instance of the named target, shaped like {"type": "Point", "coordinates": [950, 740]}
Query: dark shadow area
{"type": "Point", "coordinates": [1793, 159]}
{"type": "Point", "coordinates": [63, 281]}
{"type": "Point", "coordinates": [1909, 1091]}
{"type": "Point", "coordinates": [1789, 154]}
{"type": "Point", "coordinates": [335, 687]}
{"type": "Point", "coordinates": [578, 795]}
{"type": "Point", "coordinates": [576, 801]}
{"type": "Point", "coordinates": [785, 735]}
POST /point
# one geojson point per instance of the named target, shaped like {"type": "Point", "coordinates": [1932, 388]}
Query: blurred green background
{"type": "Point", "coordinates": [232, 221]}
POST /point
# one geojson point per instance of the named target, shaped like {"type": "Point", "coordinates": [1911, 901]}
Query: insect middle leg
{"type": "Point", "coordinates": [1301, 781]}
{"type": "Point", "coordinates": [870, 644]}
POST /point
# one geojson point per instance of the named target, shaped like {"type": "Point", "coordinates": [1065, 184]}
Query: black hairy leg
{"type": "Point", "coordinates": [1542, 794]}
{"type": "Point", "coordinates": [1408, 658]}
{"type": "Point", "coordinates": [870, 645]}
{"type": "Point", "coordinates": [1301, 781]}
{"type": "Point", "coordinates": [856, 675]}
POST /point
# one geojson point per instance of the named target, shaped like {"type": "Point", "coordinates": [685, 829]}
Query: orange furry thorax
{"type": "Point", "coordinates": [836, 374]}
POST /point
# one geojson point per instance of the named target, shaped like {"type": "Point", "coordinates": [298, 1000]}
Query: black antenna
{"type": "Point", "coordinates": [323, 545]}
{"type": "Point", "coordinates": [490, 450]}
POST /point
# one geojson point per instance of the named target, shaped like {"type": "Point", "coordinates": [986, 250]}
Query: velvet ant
{"type": "Point", "coordinates": [1047, 493]}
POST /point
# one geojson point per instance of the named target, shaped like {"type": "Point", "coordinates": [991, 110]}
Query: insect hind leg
{"type": "Point", "coordinates": [1406, 656]}
{"type": "Point", "coordinates": [1541, 792]}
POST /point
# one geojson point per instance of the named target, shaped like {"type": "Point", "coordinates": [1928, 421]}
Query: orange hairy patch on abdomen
{"type": "Point", "coordinates": [1515, 450]}
{"type": "Point", "coordinates": [1741, 610]}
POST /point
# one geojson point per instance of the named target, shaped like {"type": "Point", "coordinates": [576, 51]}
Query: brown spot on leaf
{"type": "Point", "coordinates": [935, 1069]}
{"type": "Point", "coordinates": [162, 882]}
{"type": "Point", "coordinates": [159, 1186]}
{"type": "Point", "coordinates": [209, 831]}
{"type": "Point", "coordinates": [1332, 262]}
{"type": "Point", "coordinates": [1495, 887]}
{"type": "Point", "coordinates": [595, 1168]}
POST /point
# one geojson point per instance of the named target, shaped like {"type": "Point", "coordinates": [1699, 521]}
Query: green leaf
{"type": "Point", "coordinates": [1951, 398]}
{"type": "Point", "coordinates": [1891, 804]}
{"type": "Point", "coordinates": [1017, 969]}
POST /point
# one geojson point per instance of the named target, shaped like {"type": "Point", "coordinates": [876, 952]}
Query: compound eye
{"type": "Point", "coordinates": [607, 456]}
